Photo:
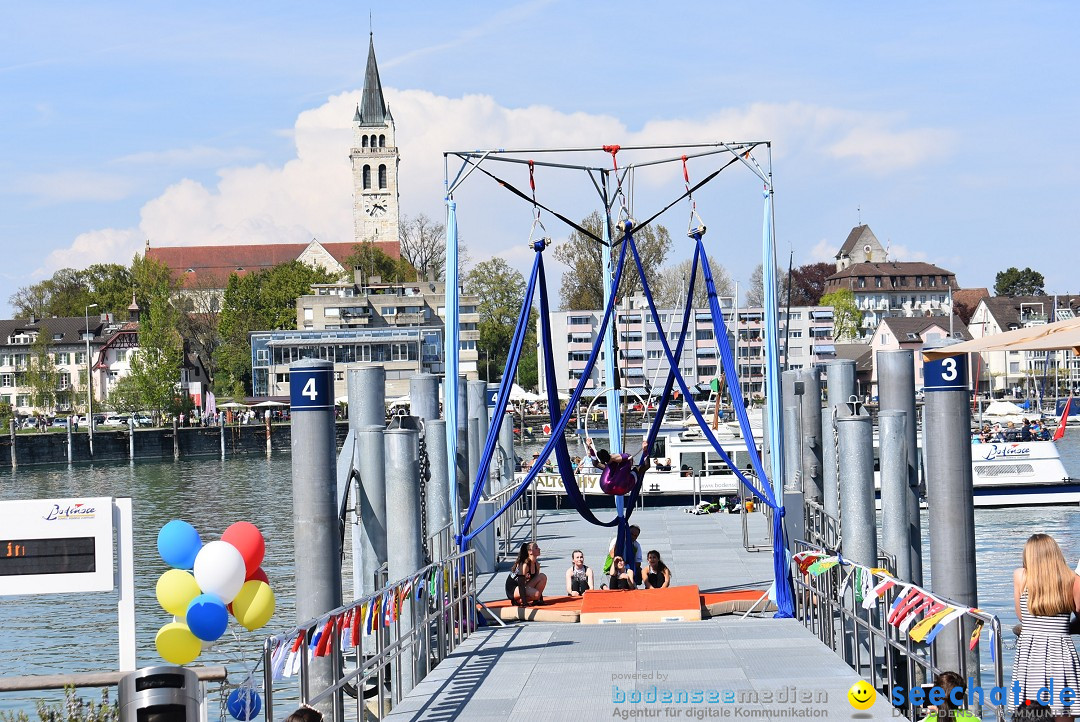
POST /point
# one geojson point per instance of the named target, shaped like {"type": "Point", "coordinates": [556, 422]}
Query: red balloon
{"type": "Point", "coordinates": [258, 575]}
{"type": "Point", "coordinates": [248, 540]}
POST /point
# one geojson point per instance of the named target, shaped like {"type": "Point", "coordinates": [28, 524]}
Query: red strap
{"type": "Point", "coordinates": [613, 149]}
{"type": "Point", "coordinates": [685, 172]}
{"type": "Point", "coordinates": [532, 181]}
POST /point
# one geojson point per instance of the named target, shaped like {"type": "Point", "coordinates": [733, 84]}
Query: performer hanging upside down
{"type": "Point", "coordinates": [603, 458]}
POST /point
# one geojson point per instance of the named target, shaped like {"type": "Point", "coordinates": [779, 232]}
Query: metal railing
{"type": "Point", "coordinates": [436, 612]}
{"type": "Point", "coordinates": [820, 527]}
{"type": "Point", "coordinates": [505, 548]}
{"type": "Point", "coordinates": [880, 652]}
{"type": "Point", "coordinates": [767, 513]}
{"type": "Point", "coordinates": [440, 545]}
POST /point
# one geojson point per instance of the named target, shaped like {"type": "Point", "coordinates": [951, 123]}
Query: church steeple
{"type": "Point", "coordinates": [372, 109]}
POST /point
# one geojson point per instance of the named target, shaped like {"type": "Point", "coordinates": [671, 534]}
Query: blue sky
{"type": "Point", "coordinates": [952, 126]}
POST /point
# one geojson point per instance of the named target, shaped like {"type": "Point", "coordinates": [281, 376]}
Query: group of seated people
{"type": "Point", "coordinates": [1027, 431]}
{"type": "Point", "coordinates": [526, 583]}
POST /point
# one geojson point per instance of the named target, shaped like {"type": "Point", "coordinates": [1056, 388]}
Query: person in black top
{"type": "Point", "coordinates": [621, 578]}
{"type": "Point", "coordinates": [657, 575]}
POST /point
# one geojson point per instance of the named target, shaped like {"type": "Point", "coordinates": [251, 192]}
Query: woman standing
{"type": "Point", "coordinates": [1046, 591]}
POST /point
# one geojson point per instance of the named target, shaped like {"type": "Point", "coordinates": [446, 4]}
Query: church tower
{"type": "Point", "coordinates": [374, 157]}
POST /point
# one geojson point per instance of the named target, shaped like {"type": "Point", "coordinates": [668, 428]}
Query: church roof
{"type": "Point", "coordinates": [211, 266]}
{"type": "Point", "coordinates": [372, 109]}
{"type": "Point", "coordinates": [860, 236]}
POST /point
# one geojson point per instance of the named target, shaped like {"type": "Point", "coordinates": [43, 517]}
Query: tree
{"type": "Point", "coordinates": [755, 295]}
{"type": "Point", "coordinates": [847, 318]}
{"type": "Point", "coordinates": [1014, 282]}
{"type": "Point", "coordinates": [125, 397]}
{"type": "Point", "coordinates": [962, 310]}
{"type": "Point", "coordinates": [528, 372]}
{"type": "Point", "coordinates": [69, 291]}
{"type": "Point", "coordinates": [671, 283]}
{"type": "Point", "coordinates": [258, 302]}
{"type": "Point", "coordinates": [155, 365]}
{"type": "Point", "coordinates": [372, 261]}
{"type": "Point", "coordinates": [501, 291]}
{"type": "Point", "coordinates": [808, 283]}
{"type": "Point", "coordinates": [41, 373]}
{"type": "Point", "coordinates": [582, 286]}
{"type": "Point", "coordinates": [200, 321]}
{"type": "Point", "coordinates": [423, 246]}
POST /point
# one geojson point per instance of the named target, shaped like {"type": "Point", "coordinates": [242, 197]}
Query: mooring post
{"type": "Point", "coordinates": [478, 408]}
{"type": "Point", "coordinates": [175, 439]}
{"type": "Point", "coordinates": [315, 515]}
{"type": "Point", "coordinates": [266, 424]}
{"type": "Point", "coordinates": [464, 483]}
{"type": "Point", "coordinates": [949, 491]}
{"type": "Point", "coordinates": [506, 443]}
{"type": "Point", "coordinates": [370, 463]}
{"type": "Point", "coordinates": [11, 431]}
{"type": "Point", "coordinates": [69, 439]}
{"type": "Point", "coordinates": [810, 421]}
{"type": "Point", "coordinates": [892, 448]}
{"type": "Point", "coordinates": [367, 396]}
{"type": "Point", "coordinates": [424, 399]}
{"type": "Point", "coordinates": [857, 488]}
{"type": "Point", "coordinates": [405, 547]}
{"type": "Point", "coordinates": [221, 432]}
{"type": "Point", "coordinates": [474, 453]}
{"type": "Point", "coordinates": [131, 438]}
{"type": "Point", "coordinates": [896, 391]}
{"type": "Point", "coordinates": [840, 381]}
{"type": "Point", "coordinates": [437, 491]}
{"type": "Point", "coordinates": [830, 491]}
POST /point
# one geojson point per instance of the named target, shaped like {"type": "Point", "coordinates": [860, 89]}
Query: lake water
{"type": "Point", "coordinates": [77, 632]}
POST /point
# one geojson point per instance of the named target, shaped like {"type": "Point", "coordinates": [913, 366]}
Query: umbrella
{"type": "Point", "coordinates": [231, 405]}
{"type": "Point", "coordinates": [268, 405]}
{"type": "Point", "coordinates": [400, 401]}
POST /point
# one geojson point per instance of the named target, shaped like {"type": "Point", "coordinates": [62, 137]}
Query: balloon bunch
{"type": "Point", "coordinates": [206, 583]}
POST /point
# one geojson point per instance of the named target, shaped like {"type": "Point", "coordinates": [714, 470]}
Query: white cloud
{"type": "Point", "coordinates": [310, 195]}
{"type": "Point", "coordinates": [823, 250]}
{"type": "Point", "coordinates": [900, 252]}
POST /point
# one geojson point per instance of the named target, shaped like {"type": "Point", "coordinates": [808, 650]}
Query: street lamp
{"type": "Point", "coordinates": [89, 383]}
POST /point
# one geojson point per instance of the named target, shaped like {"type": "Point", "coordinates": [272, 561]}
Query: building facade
{"type": "Point", "coordinates": [374, 157]}
{"type": "Point", "coordinates": [1024, 373]}
{"type": "Point", "coordinates": [642, 364]}
{"type": "Point", "coordinates": [65, 344]}
{"type": "Point", "coordinates": [885, 288]}
{"type": "Point", "coordinates": [896, 333]}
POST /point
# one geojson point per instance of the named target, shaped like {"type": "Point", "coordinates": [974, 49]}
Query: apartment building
{"type": "Point", "coordinates": [66, 345]}
{"type": "Point", "coordinates": [642, 365]}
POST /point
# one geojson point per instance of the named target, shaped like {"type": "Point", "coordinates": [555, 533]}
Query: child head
{"type": "Point", "coordinates": [617, 563]}
{"type": "Point", "coordinates": [604, 456]}
{"type": "Point", "coordinates": [654, 560]}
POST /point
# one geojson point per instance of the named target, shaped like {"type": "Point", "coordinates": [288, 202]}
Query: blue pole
{"type": "Point", "coordinates": [450, 365]}
{"type": "Point", "coordinates": [772, 350]}
{"type": "Point", "coordinates": [614, 422]}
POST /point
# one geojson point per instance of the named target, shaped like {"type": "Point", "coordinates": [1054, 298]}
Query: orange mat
{"type": "Point", "coordinates": [605, 602]}
{"type": "Point", "coordinates": [641, 605]}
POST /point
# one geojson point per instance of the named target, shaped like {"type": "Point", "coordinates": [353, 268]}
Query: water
{"type": "Point", "coordinates": [77, 632]}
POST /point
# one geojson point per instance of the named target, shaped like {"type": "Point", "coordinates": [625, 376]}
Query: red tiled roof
{"type": "Point", "coordinates": [211, 266]}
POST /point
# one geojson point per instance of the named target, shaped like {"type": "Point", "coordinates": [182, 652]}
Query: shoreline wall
{"type": "Point", "coordinates": [151, 444]}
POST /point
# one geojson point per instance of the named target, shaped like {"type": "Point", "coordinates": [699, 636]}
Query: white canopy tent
{"type": "Point", "coordinates": [1048, 337]}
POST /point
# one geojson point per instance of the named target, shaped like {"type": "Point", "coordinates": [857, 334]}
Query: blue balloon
{"type": "Point", "coordinates": [244, 703]}
{"type": "Point", "coordinates": [178, 544]}
{"type": "Point", "coordinates": [207, 617]}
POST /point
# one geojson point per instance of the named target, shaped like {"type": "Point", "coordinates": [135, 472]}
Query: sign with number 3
{"type": "Point", "coordinates": [946, 374]}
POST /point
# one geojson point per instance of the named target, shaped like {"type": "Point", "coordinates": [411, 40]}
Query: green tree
{"type": "Point", "coordinates": [528, 373]}
{"type": "Point", "coordinates": [126, 396]}
{"type": "Point", "coordinates": [501, 291]}
{"type": "Point", "coordinates": [1015, 282]}
{"type": "Point", "coordinates": [582, 286]}
{"type": "Point", "coordinates": [155, 365]}
{"type": "Point", "coordinates": [69, 291]}
{"type": "Point", "coordinates": [263, 301]}
{"type": "Point", "coordinates": [41, 373]}
{"type": "Point", "coordinates": [808, 282]}
{"type": "Point", "coordinates": [847, 318]}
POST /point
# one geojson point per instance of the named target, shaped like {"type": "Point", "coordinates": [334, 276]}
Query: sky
{"type": "Point", "coordinates": [948, 128]}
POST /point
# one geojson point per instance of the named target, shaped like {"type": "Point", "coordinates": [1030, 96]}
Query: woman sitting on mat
{"type": "Point", "coordinates": [621, 577]}
{"type": "Point", "coordinates": [525, 583]}
{"type": "Point", "coordinates": [657, 575]}
{"type": "Point", "coordinates": [579, 578]}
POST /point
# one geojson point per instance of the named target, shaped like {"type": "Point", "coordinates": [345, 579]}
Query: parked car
{"type": "Point", "coordinates": [99, 419]}
{"type": "Point", "coordinates": [143, 420]}
{"type": "Point", "coordinates": [60, 422]}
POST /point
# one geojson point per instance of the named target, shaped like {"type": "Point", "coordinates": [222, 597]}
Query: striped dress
{"type": "Point", "coordinates": [1045, 656]}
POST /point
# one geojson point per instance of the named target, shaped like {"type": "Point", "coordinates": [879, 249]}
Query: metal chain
{"type": "Point", "coordinates": [425, 476]}
{"type": "Point", "coordinates": [836, 458]}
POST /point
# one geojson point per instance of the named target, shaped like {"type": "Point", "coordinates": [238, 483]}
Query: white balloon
{"type": "Point", "coordinates": [219, 570]}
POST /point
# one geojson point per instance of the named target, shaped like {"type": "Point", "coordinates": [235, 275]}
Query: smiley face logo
{"type": "Point", "coordinates": [862, 695]}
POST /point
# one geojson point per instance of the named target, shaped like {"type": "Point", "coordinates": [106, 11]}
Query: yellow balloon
{"type": "Point", "coordinates": [176, 644]}
{"type": "Point", "coordinates": [254, 605]}
{"type": "Point", "coordinates": [175, 590]}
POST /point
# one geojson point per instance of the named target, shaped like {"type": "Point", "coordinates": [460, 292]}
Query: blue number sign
{"type": "Point", "coordinates": [311, 389]}
{"type": "Point", "coordinates": [946, 374]}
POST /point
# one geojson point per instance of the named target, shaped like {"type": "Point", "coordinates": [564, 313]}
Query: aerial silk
{"type": "Point", "coordinates": [450, 356]}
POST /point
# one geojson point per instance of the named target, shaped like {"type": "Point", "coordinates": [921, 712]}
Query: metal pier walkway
{"type": "Point", "coordinates": [757, 668]}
